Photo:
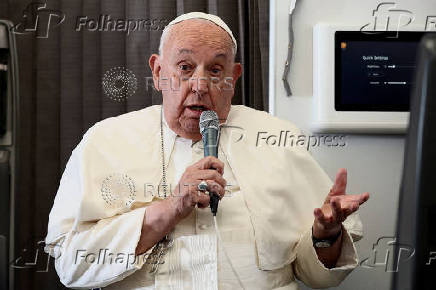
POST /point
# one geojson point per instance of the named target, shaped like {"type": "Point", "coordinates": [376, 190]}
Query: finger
{"type": "Point", "coordinates": [342, 208]}
{"type": "Point", "coordinates": [210, 174]}
{"type": "Point", "coordinates": [354, 203]}
{"type": "Point", "coordinates": [337, 211]}
{"type": "Point", "coordinates": [211, 162]}
{"type": "Point", "coordinates": [340, 182]}
{"type": "Point", "coordinates": [202, 200]}
{"type": "Point", "coordinates": [185, 188]}
{"type": "Point", "coordinates": [215, 187]}
{"type": "Point", "coordinates": [365, 197]}
{"type": "Point", "coordinates": [349, 208]}
{"type": "Point", "coordinates": [359, 198]}
{"type": "Point", "coordinates": [319, 216]}
{"type": "Point", "coordinates": [188, 199]}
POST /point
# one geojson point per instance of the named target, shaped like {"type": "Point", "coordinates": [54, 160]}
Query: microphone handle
{"type": "Point", "coordinates": [210, 142]}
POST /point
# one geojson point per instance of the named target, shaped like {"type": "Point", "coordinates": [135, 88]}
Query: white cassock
{"type": "Point", "coordinates": [265, 218]}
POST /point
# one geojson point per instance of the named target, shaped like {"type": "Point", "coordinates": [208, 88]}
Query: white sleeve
{"type": "Point", "coordinates": [100, 253]}
{"type": "Point", "coordinates": [310, 270]}
{"type": "Point", "coordinates": [91, 253]}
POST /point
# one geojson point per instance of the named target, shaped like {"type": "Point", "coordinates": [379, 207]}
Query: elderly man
{"type": "Point", "coordinates": [280, 218]}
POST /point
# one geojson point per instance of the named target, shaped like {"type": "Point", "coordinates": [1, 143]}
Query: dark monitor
{"type": "Point", "coordinates": [375, 72]}
{"type": "Point", "coordinates": [416, 226]}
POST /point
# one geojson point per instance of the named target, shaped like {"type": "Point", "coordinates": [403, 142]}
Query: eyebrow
{"type": "Point", "coordinates": [221, 55]}
{"type": "Point", "coordinates": [190, 51]}
{"type": "Point", "coordinates": [185, 50]}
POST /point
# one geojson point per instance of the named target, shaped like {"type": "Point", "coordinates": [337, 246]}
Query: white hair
{"type": "Point", "coordinates": [168, 28]}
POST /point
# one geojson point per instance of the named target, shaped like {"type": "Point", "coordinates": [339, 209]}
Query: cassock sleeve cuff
{"type": "Point", "coordinates": [309, 269]}
{"type": "Point", "coordinates": [103, 254]}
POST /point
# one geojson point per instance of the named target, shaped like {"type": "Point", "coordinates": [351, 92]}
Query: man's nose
{"type": "Point", "coordinates": [199, 82]}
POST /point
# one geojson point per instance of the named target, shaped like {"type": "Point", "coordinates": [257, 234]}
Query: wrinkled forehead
{"type": "Point", "coordinates": [198, 37]}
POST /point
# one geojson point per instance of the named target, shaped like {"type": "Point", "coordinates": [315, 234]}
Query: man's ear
{"type": "Point", "coordinates": [155, 67]}
{"type": "Point", "coordinates": [237, 72]}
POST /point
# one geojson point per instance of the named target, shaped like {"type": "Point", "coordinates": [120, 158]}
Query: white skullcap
{"type": "Point", "coordinates": [200, 15]}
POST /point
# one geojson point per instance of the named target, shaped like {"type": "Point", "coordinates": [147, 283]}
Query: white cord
{"type": "Point", "coordinates": [292, 7]}
{"type": "Point", "coordinates": [225, 253]}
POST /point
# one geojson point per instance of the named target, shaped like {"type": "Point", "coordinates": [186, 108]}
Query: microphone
{"type": "Point", "coordinates": [209, 129]}
{"type": "Point", "coordinates": [210, 133]}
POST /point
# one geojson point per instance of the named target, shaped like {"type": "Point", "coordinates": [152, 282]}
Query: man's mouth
{"type": "Point", "coordinates": [198, 108]}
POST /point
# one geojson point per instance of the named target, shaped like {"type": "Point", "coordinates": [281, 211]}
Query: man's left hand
{"type": "Point", "coordinates": [336, 208]}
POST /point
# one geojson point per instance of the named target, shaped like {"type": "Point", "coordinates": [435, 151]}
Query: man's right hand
{"type": "Point", "coordinates": [186, 195]}
{"type": "Point", "coordinates": [162, 216]}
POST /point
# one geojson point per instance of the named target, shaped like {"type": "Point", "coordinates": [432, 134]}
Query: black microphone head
{"type": "Point", "coordinates": [209, 119]}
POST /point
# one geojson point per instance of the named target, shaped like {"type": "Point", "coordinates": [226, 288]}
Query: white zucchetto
{"type": "Point", "coordinates": [200, 15]}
